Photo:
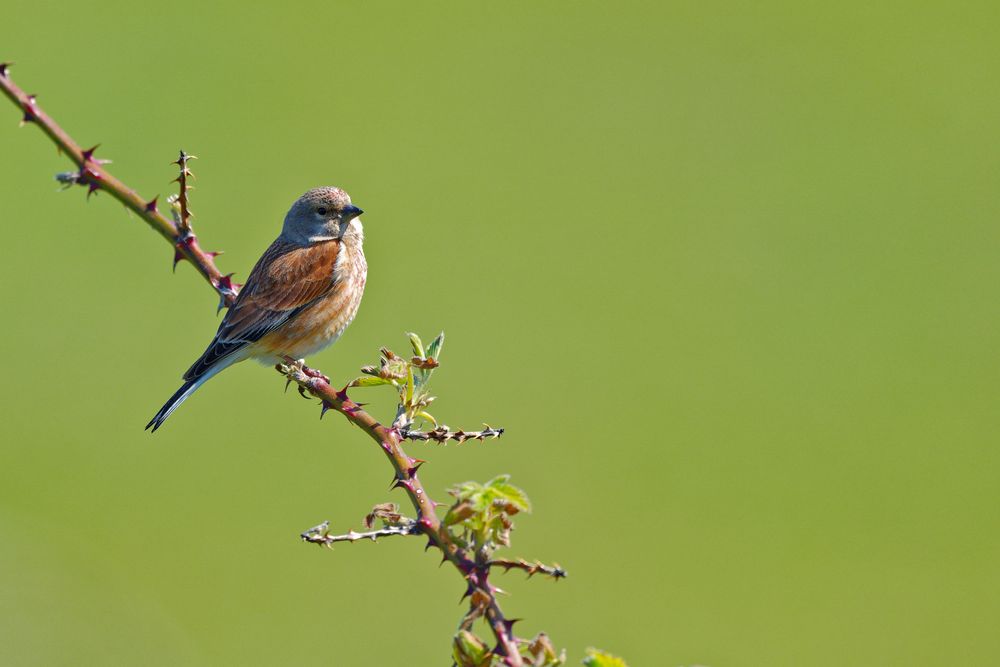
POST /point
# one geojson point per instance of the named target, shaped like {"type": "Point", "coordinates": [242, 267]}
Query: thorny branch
{"type": "Point", "coordinates": [537, 567]}
{"type": "Point", "coordinates": [321, 535]}
{"type": "Point", "coordinates": [183, 215]}
{"type": "Point", "coordinates": [405, 477]}
{"type": "Point", "coordinates": [93, 174]}
{"type": "Point", "coordinates": [443, 434]}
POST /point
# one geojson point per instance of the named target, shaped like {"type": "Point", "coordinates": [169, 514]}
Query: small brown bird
{"type": "Point", "coordinates": [299, 297]}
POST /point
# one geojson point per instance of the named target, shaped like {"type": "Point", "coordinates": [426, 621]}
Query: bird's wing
{"type": "Point", "coordinates": [287, 279]}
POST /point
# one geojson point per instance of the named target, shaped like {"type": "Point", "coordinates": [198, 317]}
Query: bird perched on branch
{"type": "Point", "coordinates": [299, 297]}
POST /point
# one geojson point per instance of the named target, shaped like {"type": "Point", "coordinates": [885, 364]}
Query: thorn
{"type": "Point", "coordinates": [92, 187]}
{"type": "Point", "coordinates": [215, 253]}
{"type": "Point", "coordinates": [430, 543]}
{"type": "Point", "coordinates": [226, 282]}
{"type": "Point", "coordinates": [89, 153]}
{"type": "Point", "coordinates": [151, 204]}
{"type": "Point", "coordinates": [401, 483]}
{"type": "Point", "coordinates": [509, 624]}
{"type": "Point", "coordinates": [412, 470]}
{"type": "Point", "coordinates": [178, 253]}
{"type": "Point", "coordinates": [326, 406]}
{"type": "Point", "coordinates": [29, 112]}
{"type": "Point", "coordinates": [302, 392]}
{"type": "Point", "coordinates": [3, 69]}
{"type": "Point", "coordinates": [342, 394]}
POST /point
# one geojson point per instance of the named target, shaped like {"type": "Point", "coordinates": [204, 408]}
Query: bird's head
{"type": "Point", "coordinates": [322, 214]}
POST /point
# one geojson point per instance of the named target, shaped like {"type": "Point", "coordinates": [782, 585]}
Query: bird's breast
{"type": "Point", "coordinates": [323, 322]}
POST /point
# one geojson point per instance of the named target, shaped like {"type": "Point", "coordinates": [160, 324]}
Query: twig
{"type": "Point", "coordinates": [319, 534]}
{"type": "Point", "coordinates": [554, 570]}
{"type": "Point", "coordinates": [443, 434]}
{"type": "Point", "coordinates": [183, 218]}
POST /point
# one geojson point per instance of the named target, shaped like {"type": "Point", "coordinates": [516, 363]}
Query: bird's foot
{"type": "Point", "coordinates": [301, 365]}
{"type": "Point", "coordinates": [315, 374]}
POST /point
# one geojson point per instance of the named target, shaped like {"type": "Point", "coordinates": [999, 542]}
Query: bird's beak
{"type": "Point", "coordinates": [351, 211]}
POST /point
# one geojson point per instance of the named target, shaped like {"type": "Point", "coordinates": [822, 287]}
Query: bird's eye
{"type": "Point", "coordinates": [321, 211]}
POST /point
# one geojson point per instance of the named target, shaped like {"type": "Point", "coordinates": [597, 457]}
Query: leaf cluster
{"type": "Point", "coordinates": [468, 650]}
{"type": "Point", "coordinates": [482, 512]}
{"type": "Point", "coordinates": [410, 377]}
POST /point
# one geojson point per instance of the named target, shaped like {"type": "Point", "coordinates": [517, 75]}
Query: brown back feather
{"type": "Point", "coordinates": [286, 279]}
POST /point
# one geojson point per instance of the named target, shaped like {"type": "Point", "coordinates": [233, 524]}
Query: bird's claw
{"type": "Point", "coordinates": [313, 373]}
{"type": "Point", "coordinates": [300, 364]}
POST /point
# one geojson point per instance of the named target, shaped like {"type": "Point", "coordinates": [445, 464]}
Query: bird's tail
{"type": "Point", "coordinates": [180, 396]}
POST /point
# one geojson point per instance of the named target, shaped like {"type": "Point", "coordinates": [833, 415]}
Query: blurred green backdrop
{"type": "Point", "coordinates": [725, 271]}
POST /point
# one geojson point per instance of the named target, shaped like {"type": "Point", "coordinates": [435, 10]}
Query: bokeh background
{"type": "Point", "coordinates": [727, 273]}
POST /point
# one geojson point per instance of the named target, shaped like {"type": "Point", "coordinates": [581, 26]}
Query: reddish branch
{"type": "Point", "coordinates": [405, 467]}
{"type": "Point", "coordinates": [95, 177]}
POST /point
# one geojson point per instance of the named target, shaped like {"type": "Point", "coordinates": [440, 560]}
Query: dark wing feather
{"type": "Point", "coordinates": [287, 279]}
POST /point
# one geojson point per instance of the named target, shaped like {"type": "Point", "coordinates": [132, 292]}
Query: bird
{"type": "Point", "coordinates": [299, 298]}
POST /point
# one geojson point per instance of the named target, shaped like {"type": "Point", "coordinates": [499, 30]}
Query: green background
{"type": "Point", "coordinates": [726, 272]}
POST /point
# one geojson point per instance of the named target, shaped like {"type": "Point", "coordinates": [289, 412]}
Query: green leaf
{"type": "Point", "coordinates": [596, 658]}
{"type": "Point", "coordinates": [369, 381]}
{"type": "Point", "coordinates": [464, 490]}
{"type": "Point", "coordinates": [418, 345]}
{"type": "Point", "coordinates": [409, 385]}
{"type": "Point", "coordinates": [544, 653]}
{"type": "Point", "coordinates": [499, 479]}
{"type": "Point", "coordinates": [468, 650]}
{"type": "Point", "coordinates": [503, 490]}
{"type": "Point", "coordinates": [434, 349]}
{"type": "Point", "coordinates": [428, 416]}
{"type": "Point", "coordinates": [460, 511]}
